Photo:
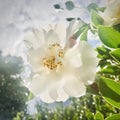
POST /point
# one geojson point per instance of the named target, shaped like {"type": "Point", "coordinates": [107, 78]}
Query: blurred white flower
{"type": "Point", "coordinates": [111, 15]}
{"type": "Point", "coordinates": [61, 67]}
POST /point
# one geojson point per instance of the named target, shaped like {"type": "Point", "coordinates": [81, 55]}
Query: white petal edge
{"type": "Point", "coordinates": [72, 28]}
{"type": "Point", "coordinates": [35, 59]}
{"type": "Point", "coordinates": [34, 39]}
{"type": "Point", "coordinates": [73, 56]}
{"type": "Point", "coordinates": [73, 86]}
{"type": "Point", "coordinates": [60, 29]}
{"type": "Point", "coordinates": [45, 97]}
{"type": "Point", "coordinates": [62, 95]}
{"type": "Point", "coordinates": [38, 84]}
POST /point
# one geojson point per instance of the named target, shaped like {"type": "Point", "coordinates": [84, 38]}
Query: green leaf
{"type": "Point", "coordinates": [102, 9]}
{"type": "Point", "coordinates": [96, 19]}
{"type": "Point", "coordinates": [113, 117]}
{"type": "Point", "coordinates": [69, 5]}
{"type": "Point", "coordinates": [103, 63]}
{"type": "Point", "coordinates": [89, 115]}
{"type": "Point", "coordinates": [83, 35]}
{"type": "Point", "coordinates": [103, 53]}
{"type": "Point", "coordinates": [110, 69]}
{"type": "Point", "coordinates": [98, 116]}
{"type": "Point", "coordinates": [110, 91]}
{"type": "Point", "coordinates": [80, 30]}
{"type": "Point", "coordinates": [117, 27]}
{"type": "Point", "coordinates": [109, 36]}
{"type": "Point", "coordinates": [93, 6]}
{"type": "Point", "coordinates": [103, 50]}
{"type": "Point", "coordinates": [70, 19]}
{"type": "Point", "coordinates": [30, 96]}
{"type": "Point", "coordinates": [56, 6]}
{"type": "Point", "coordinates": [116, 54]}
{"type": "Point", "coordinates": [93, 31]}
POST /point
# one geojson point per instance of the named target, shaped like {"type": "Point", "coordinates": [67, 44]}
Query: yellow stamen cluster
{"type": "Point", "coordinates": [51, 63]}
{"type": "Point", "coordinates": [54, 61]}
{"type": "Point", "coordinates": [55, 45]}
{"type": "Point", "coordinates": [61, 53]}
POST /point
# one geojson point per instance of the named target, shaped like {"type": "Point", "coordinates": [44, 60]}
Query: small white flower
{"type": "Point", "coordinates": [111, 15]}
{"type": "Point", "coordinates": [60, 67]}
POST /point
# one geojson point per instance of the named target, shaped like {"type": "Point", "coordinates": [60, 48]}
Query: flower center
{"type": "Point", "coordinates": [54, 59]}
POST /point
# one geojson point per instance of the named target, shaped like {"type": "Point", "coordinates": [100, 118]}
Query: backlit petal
{"type": "Point", "coordinates": [73, 86]}
{"type": "Point", "coordinates": [34, 39]}
{"type": "Point", "coordinates": [45, 97]}
{"type": "Point", "coordinates": [57, 71]}
{"type": "Point", "coordinates": [73, 56]}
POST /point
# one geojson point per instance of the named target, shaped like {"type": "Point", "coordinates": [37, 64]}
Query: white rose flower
{"type": "Point", "coordinates": [61, 67]}
{"type": "Point", "coordinates": [111, 15]}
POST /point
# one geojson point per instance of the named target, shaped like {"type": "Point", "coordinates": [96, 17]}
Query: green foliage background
{"type": "Point", "coordinates": [13, 95]}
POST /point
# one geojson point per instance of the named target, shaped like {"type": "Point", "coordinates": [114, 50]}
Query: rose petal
{"type": "Point", "coordinates": [111, 15]}
{"type": "Point", "coordinates": [62, 95]}
{"type": "Point", "coordinates": [53, 93]}
{"type": "Point", "coordinates": [73, 56]}
{"type": "Point", "coordinates": [86, 74]}
{"type": "Point", "coordinates": [51, 37]}
{"type": "Point", "coordinates": [73, 87]}
{"type": "Point", "coordinates": [88, 54]}
{"type": "Point", "coordinates": [34, 39]}
{"type": "Point", "coordinates": [72, 28]}
{"type": "Point", "coordinates": [45, 97]}
{"type": "Point", "coordinates": [77, 66]}
{"type": "Point", "coordinates": [35, 58]}
{"type": "Point", "coordinates": [38, 84]}
{"type": "Point", "coordinates": [60, 30]}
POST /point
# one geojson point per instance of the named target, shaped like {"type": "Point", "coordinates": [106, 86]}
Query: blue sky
{"type": "Point", "coordinates": [19, 16]}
